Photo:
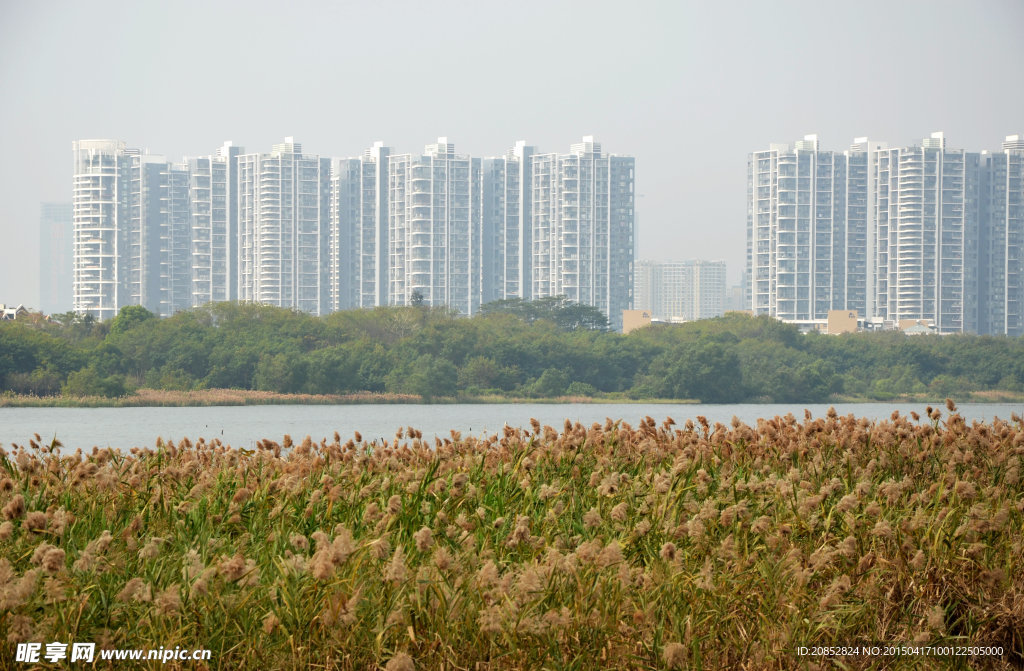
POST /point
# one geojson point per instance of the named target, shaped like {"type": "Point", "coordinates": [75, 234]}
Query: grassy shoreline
{"type": "Point", "coordinates": [235, 397]}
{"type": "Point", "coordinates": [199, 398]}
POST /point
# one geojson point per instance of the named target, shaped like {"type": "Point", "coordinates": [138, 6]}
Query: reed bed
{"type": "Point", "coordinates": [602, 547]}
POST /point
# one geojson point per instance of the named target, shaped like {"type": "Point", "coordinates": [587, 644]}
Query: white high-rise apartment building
{"type": "Point", "coordinates": [130, 218]}
{"type": "Point", "coordinates": [582, 228]}
{"type": "Point", "coordinates": [680, 291]}
{"type": "Point", "coordinates": [507, 238]}
{"type": "Point", "coordinates": [99, 222]}
{"type": "Point", "coordinates": [343, 235]}
{"type": "Point", "coordinates": [159, 252]}
{"type": "Point", "coordinates": [919, 233]}
{"type": "Point", "coordinates": [316, 234]}
{"type": "Point", "coordinates": [1001, 271]}
{"type": "Point", "coordinates": [928, 210]}
{"type": "Point", "coordinates": [283, 224]}
{"type": "Point", "coordinates": [175, 246]}
{"type": "Point", "coordinates": [358, 238]}
{"type": "Point", "coordinates": [213, 193]}
{"type": "Point", "coordinates": [805, 255]}
{"type": "Point", "coordinates": [434, 232]}
{"type": "Point", "coordinates": [862, 245]}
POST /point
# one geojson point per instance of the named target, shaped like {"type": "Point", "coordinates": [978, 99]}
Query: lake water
{"type": "Point", "coordinates": [243, 426]}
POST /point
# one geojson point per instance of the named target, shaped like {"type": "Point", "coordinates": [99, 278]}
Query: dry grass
{"type": "Point", "coordinates": [606, 547]}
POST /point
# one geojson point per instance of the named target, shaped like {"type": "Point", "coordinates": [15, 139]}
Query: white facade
{"type": "Point", "coordinates": [507, 230]}
{"type": "Point", "coordinates": [1001, 270]}
{"type": "Point", "coordinates": [861, 253]}
{"type": "Point", "coordinates": [316, 234]}
{"type": "Point", "coordinates": [343, 237]}
{"type": "Point", "coordinates": [213, 191]}
{"type": "Point", "coordinates": [175, 247]}
{"type": "Point", "coordinates": [917, 233]}
{"type": "Point", "coordinates": [928, 211]}
{"type": "Point", "coordinates": [582, 228]}
{"type": "Point", "coordinates": [157, 258]}
{"type": "Point", "coordinates": [806, 254]}
{"type": "Point", "coordinates": [358, 238]}
{"type": "Point", "coordinates": [131, 220]}
{"type": "Point", "coordinates": [99, 221]}
{"type": "Point", "coordinates": [434, 232]}
{"type": "Point", "coordinates": [283, 222]}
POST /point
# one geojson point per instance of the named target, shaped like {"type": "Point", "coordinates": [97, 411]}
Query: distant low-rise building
{"type": "Point", "coordinates": [635, 319]}
{"type": "Point", "coordinates": [680, 291]}
{"type": "Point", "coordinates": [842, 321]}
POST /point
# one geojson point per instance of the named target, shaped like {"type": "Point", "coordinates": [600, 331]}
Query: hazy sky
{"type": "Point", "coordinates": [688, 88]}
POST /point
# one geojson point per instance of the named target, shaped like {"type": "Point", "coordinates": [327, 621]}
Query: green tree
{"type": "Point", "coordinates": [578, 388]}
{"type": "Point", "coordinates": [480, 372]}
{"type": "Point", "coordinates": [284, 373]}
{"type": "Point", "coordinates": [427, 376]}
{"type": "Point", "coordinates": [551, 383]}
{"type": "Point", "coordinates": [707, 371]}
{"type": "Point", "coordinates": [40, 382]}
{"type": "Point", "coordinates": [331, 370]}
{"type": "Point", "coordinates": [90, 382]}
{"type": "Point", "coordinates": [559, 310]}
{"type": "Point", "coordinates": [375, 365]}
{"type": "Point", "coordinates": [128, 318]}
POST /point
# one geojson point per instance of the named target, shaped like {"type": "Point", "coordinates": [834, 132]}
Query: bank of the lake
{"type": "Point", "coordinates": [152, 398]}
{"type": "Point", "coordinates": [244, 426]}
{"type": "Point", "coordinates": [144, 398]}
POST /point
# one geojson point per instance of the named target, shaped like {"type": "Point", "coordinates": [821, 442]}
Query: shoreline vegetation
{"type": "Point", "coordinates": [657, 546]}
{"type": "Point", "coordinates": [538, 351]}
{"type": "Point", "coordinates": [141, 398]}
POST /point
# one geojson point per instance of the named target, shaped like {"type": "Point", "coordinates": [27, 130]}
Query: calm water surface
{"type": "Point", "coordinates": [242, 426]}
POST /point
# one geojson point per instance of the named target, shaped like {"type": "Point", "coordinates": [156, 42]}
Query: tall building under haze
{"type": "Point", "coordinates": [434, 231]}
{"type": "Point", "coordinates": [805, 254]}
{"type": "Point", "coordinates": [680, 291]}
{"type": "Point", "coordinates": [924, 233]}
{"type": "Point", "coordinates": [582, 228]}
{"type": "Point", "coordinates": [158, 259]}
{"type": "Point", "coordinates": [213, 191]}
{"type": "Point", "coordinates": [100, 189]}
{"type": "Point", "coordinates": [283, 223]}
{"type": "Point", "coordinates": [317, 234]}
{"type": "Point", "coordinates": [358, 236]}
{"type": "Point", "coordinates": [507, 224]}
{"type": "Point", "coordinates": [1001, 271]}
{"type": "Point", "coordinates": [928, 213]}
{"type": "Point", "coordinates": [56, 257]}
{"type": "Point", "coordinates": [131, 223]}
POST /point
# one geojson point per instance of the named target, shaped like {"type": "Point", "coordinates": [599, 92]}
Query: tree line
{"type": "Point", "coordinates": [514, 349]}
